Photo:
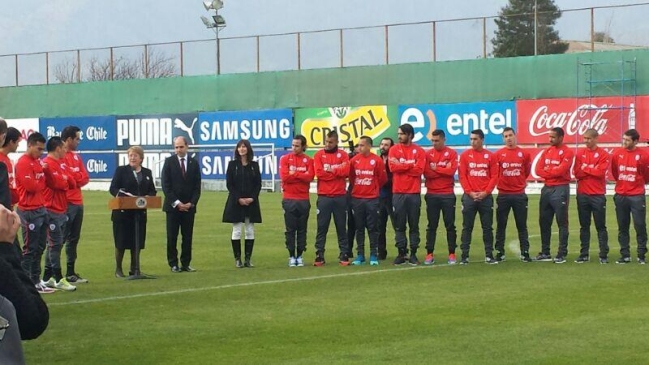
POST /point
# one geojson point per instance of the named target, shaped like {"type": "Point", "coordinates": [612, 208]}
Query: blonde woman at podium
{"type": "Point", "coordinates": [130, 180]}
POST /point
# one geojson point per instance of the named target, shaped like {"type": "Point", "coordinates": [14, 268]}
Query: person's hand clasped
{"type": "Point", "coordinates": [9, 224]}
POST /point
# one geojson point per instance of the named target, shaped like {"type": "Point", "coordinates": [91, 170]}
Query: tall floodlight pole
{"type": "Point", "coordinates": [215, 24]}
{"type": "Point", "coordinates": [536, 25]}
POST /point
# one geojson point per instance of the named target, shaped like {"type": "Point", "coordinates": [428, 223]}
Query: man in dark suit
{"type": "Point", "coordinates": [181, 183]}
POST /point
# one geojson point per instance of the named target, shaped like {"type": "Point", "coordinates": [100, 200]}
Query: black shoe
{"type": "Point", "coordinates": [464, 261]}
{"type": "Point", "coordinates": [187, 269]}
{"type": "Point", "coordinates": [642, 261]}
{"type": "Point", "coordinates": [582, 259]}
{"type": "Point", "coordinates": [526, 258]}
{"type": "Point", "coordinates": [623, 260]}
{"type": "Point", "coordinates": [559, 260]}
{"type": "Point", "coordinates": [500, 257]}
{"type": "Point", "coordinates": [238, 263]}
{"type": "Point", "coordinates": [490, 260]}
{"type": "Point", "coordinates": [248, 263]}
{"type": "Point", "coordinates": [543, 257]}
{"type": "Point", "coordinates": [75, 278]}
{"type": "Point", "coordinates": [413, 259]}
{"type": "Point", "coordinates": [175, 269]}
{"type": "Point", "coordinates": [399, 260]}
{"type": "Point", "coordinates": [383, 255]}
{"type": "Point", "coordinates": [319, 260]}
{"type": "Point", "coordinates": [343, 259]}
{"type": "Point", "coordinates": [603, 260]}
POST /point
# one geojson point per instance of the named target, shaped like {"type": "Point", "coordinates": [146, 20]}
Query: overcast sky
{"type": "Point", "coordinates": [36, 26]}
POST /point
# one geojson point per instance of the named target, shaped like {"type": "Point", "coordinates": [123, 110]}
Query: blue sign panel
{"type": "Point", "coordinates": [154, 132]}
{"type": "Point", "coordinates": [214, 165]}
{"type": "Point", "coordinates": [257, 126]}
{"type": "Point", "coordinates": [97, 133]}
{"type": "Point", "coordinates": [100, 165]}
{"type": "Point", "coordinates": [458, 120]}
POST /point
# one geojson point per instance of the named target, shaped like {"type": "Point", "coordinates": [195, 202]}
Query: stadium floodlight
{"type": "Point", "coordinates": [219, 21]}
{"type": "Point", "coordinates": [207, 22]}
{"type": "Point", "coordinates": [213, 5]}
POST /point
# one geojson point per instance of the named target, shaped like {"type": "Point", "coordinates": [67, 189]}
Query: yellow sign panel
{"type": "Point", "coordinates": [371, 121]}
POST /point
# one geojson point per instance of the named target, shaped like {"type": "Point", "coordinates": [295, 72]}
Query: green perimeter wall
{"type": "Point", "coordinates": [435, 82]}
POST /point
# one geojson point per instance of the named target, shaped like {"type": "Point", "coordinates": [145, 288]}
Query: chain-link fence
{"type": "Point", "coordinates": [585, 29]}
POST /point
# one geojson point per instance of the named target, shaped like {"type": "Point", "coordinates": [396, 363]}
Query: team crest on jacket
{"type": "Point", "coordinates": [372, 162]}
{"type": "Point", "coordinates": [520, 154]}
{"type": "Point", "coordinates": [637, 157]}
{"type": "Point", "coordinates": [446, 154]}
{"type": "Point", "coordinates": [596, 155]}
{"type": "Point", "coordinates": [52, 227]}
{"type": "Point", "coordinates": [560, 152]}
{"type": "Point", "coordinates": [304, 160]}
{"type": "Point", "coordinates": [486, 155]}
{"type": "Point", "coordinates": [338, 154]}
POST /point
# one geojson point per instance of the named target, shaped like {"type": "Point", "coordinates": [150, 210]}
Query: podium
{"type": "Point", "coordinates": [136, 203]}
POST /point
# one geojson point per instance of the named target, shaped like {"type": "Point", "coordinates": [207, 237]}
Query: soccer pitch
{"type": "Point", "coordinates": [511, 313]}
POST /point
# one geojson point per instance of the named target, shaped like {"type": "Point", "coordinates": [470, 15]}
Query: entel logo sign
{"type": "Point", "coordinates": [458, 120]}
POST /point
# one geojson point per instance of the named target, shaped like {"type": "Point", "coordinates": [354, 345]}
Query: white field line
{"type": "Point", "coordinates": [239, 285]}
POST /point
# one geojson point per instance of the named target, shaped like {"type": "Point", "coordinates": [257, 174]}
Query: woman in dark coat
{"type": "Point", "coordinates": [242, 208]}
{"type": "Point", "coordinates": [135, 180]}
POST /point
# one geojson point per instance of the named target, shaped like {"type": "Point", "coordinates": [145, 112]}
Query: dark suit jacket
{"type": "Point", "coordinates": [175, 187]}
{"type": "Point", "coordinates": [124, 179]}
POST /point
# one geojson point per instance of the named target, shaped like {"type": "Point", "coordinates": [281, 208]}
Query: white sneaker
{"type": "Point", "coordinates": [64, 285]}
{"type": "Point", "coordinates": [292, 262]}
{"type": "Point", "coordinates": [51, 283]}
{"type": "Point", "coordinates": [42, 289]}
{"type": "Point", "coordinates": [300, 262]}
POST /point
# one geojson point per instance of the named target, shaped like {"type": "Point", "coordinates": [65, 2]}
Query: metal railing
{"type": "Point", "coordinates": [438, 40]}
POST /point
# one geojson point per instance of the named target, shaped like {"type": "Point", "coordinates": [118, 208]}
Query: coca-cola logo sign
{"type": "Point", "coordinates": [610, 116]}
{"type": "Point", "coordinates": [576, 122]}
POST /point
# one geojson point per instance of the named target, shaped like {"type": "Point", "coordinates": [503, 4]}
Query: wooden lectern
{"type": "Point", "coordinates": [135, 202]}
{"type": "Point", "coordinates": [138, 203]}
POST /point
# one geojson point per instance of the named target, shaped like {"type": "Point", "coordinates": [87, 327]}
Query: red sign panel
{"type": "Point", "coordinates": [610, 116]}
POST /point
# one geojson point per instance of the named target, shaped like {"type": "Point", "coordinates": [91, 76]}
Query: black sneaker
{"type": "Point", "coordinates": [238, 263]}
{"type": "Point", "coordinates": [543, 257]}
{"type": "Point", "coordinates": [319, 260]}
{"type": "Point", "coordinates": [464, 261]}
{"type": "Point", "coordinates": [582, 259]}
{"type": "Point", "coordinates": [559, 260]}
{"type": "Point", "coordinates": [399, 260]}
{"type": "Point", "coordinates": [500, 256]}
{"type": "Point", "coordinates": [526, 258]}
{"type": "Point", "coordinates": [603, 260]}
{"type": "Point", "coordinates": [413, 259]}
{"type": "Point", "coordinates": [642, 261]}
{"type": "Point", "coordinates": [76, 278]}
{"type": "Point", "coordinates": [490, 260]}
{"type": "Point", "coordinates": [175, 269]}
{"type": "Point", "coordinates": [623, 260]}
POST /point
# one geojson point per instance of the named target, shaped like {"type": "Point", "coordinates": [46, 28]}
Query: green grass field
{"type": "Point", "coordinates": [511, 313]}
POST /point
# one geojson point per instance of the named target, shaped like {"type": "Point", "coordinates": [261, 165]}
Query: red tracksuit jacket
{"type": "Point", "coordinates": [442, 179]}
{"type": "Point", "coordinates": [57, 184]}
{"type": "Point", "coordinates": [76, 169]}
{"type": "Point", "coordinates": [514, 167]}
{"type": "Point", "coordinates": [406, 174]}
{"type": "Point", "coordinates": [559, 161]}
{"type": "Point", "coordinates": [478, 171]}
{"type": "Point", "coordinates": [366, 175]}
{"type": "Point", "coordinates": [590, 170]}
{"type": "Point", "coordinates": [296, 185]}
{"type": "Point", "coordinates": [30, 183]}
{"type": "Point", "coordinates": [331, 183]}
{"type": "Point", "coordinates": [630, 171]}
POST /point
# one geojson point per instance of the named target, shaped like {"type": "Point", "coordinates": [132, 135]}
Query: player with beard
{"type": "Point", "coordinates": [332, 169]}
{"type": "Point", "coordinates": [554, 166]}
{"type": "Point", "coordinates": [406, 161]}
{"type": "Point", "coordinates": [385, 199]}
{"type": "Point", "coordinates": [441, 166]}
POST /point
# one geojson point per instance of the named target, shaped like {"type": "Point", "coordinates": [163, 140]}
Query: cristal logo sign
{"type": "Point", "coordinates": [574, 123]}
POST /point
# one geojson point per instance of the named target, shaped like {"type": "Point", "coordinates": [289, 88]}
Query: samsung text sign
{"type": "Point", "coordinates": [258, 126]}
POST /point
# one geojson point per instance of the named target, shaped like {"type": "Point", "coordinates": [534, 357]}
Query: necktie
{"type": "Point", "coordinates": [182, 166]}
